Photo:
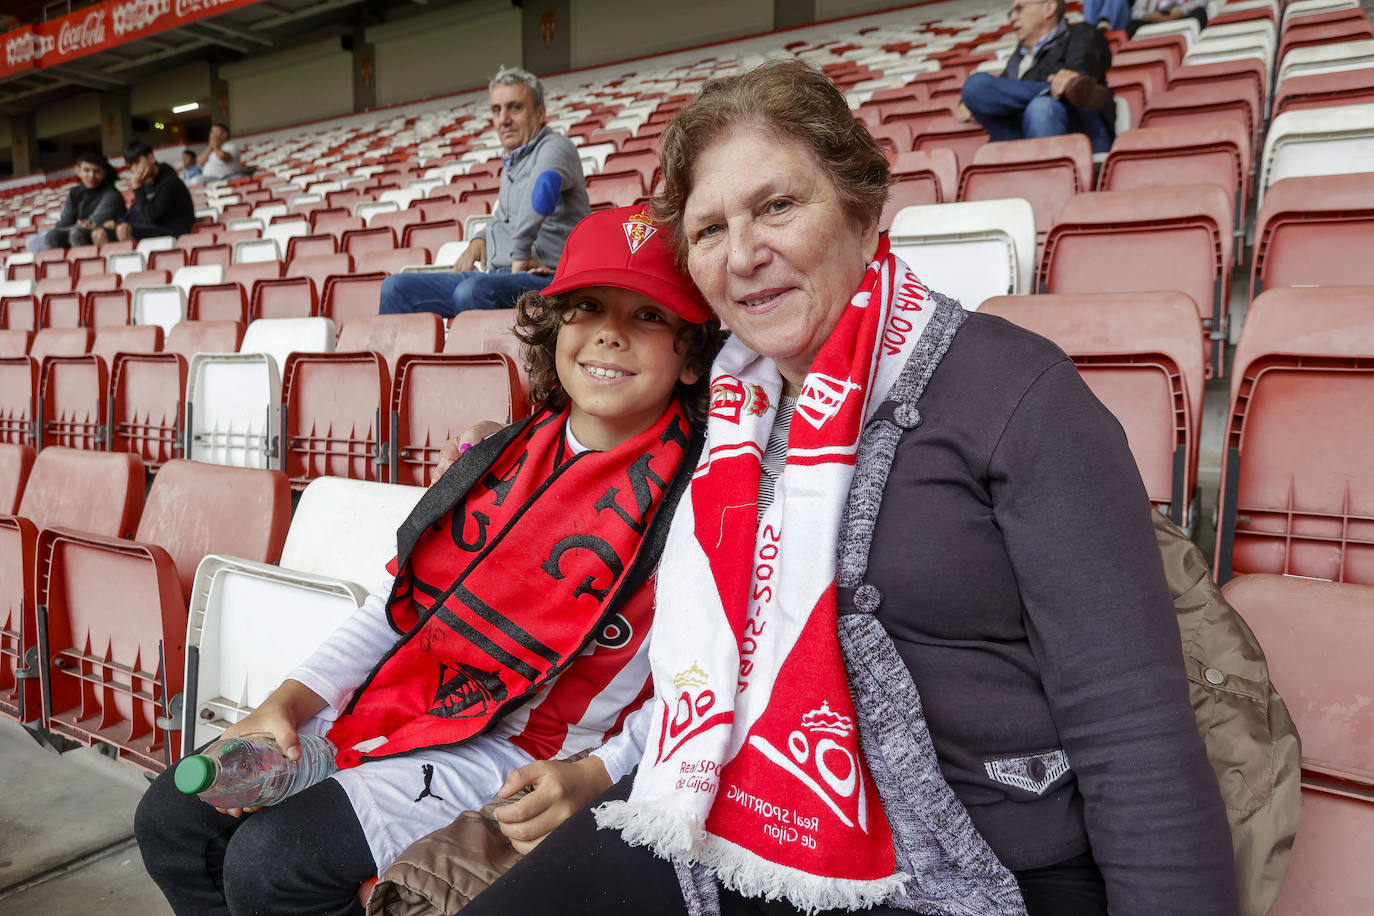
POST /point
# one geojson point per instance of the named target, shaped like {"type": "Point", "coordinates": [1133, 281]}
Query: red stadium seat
{"type": "Point", "coordinates": [15, 464]}
{"type": "Point", "coordinates": [97, 282]}
{"type": "Point", "coordinates": [391, 335]}
{"type": "Point", "coordinates": [319, 268]}
{"type": "Point", "coordinates": [15, 343]}
{"type": "Point", "coordinates": [962, 138]}
{"type": "Point", "coordinates": [391, 260]}
{"type": "Point", "coordinates": [397, 221]}
{"type": "Point", "coordinates": [19, 313]}
{"type": "Point", "coordinates": [1325, 90]}
{"type": "Point", "coordinates": [1297, 486]}
{"type": "Point", "coordinates": [331, 409]}
{"type": "Point", "coordinates": [289, 297]}
{"type": "Point", "coordinates": [1193, 104]}
{"type": "Point", "coordinates": [170, 260]}
{"type": "Point", "coordinates": [1045, 171]}
{"type": "Point", "coordinates": [106, 309]}
{"type": "Point", "coordinates": [60, 310]}
{"type": "Point", "coordinates": [53, 285]}
{"type": "Point", "coordinates": [1307, 629]}
{"type": "Point", "coordinates": [352, 295]}
{"type": "Point", "coordinates": [73, 390]}
{"type": "Point", "coordinates": [221, 255]}
{"type": "Point", "coordinates": [615, 189]}
{"type": "Point", "coordinates": [1216, 152]}
{"type": "Point", "coordinates": [645, 163]}
{"type": "Point", "coordinates": [306, 246]}
{"type": "Point", "coordinates": [1315, 232]}
{"type": "Point", "coordinates": [91, 491]}
{"type": "Point", "coordinates": [116, 610]}
{"type": "Point", "coordinates": [431, 236]}
{"type": "Point", "coordinates": [361, 241]}
{"type": "Point", "coordinates": [1121, 241]}
{"type": "Point", "coordinates": [1138, 353]}
{"type": "Point", "coordinates": [146, 278]}
{"type": "Point", "coordinates": [1323, 28]}
{"type": "Point", "coordinates": [337, 225]}
{"type": "Point", "coordinates": [247, 274]}
{"type": "Point", "coordinates": [221, 302]}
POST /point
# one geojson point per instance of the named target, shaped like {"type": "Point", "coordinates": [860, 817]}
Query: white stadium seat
{"type": "Point", "coordinates": [970, 251]}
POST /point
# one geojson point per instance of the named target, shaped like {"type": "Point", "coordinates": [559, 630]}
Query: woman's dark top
{"type": "Point", "coordinates": [1022, 586]}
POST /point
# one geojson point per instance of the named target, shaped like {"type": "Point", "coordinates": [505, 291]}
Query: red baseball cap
{"type": "Point", "coordinates": [624, 248]}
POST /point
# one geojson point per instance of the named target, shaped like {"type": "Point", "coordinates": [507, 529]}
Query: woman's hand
{"type": "Point", "coordinates": [450, 450]}
{"type": "Point", "coordinates": [279, 716]}
{"type": "Point", "coordinates": [558, 788]}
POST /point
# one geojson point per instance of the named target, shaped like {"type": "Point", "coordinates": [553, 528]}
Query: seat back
{"type": "Point", "coordinates": [392, 335]}
{"type": "Point", "coordinates": [15, 343]}
{"type": "Point", "coordinates": [126, 339]}
{"type": "Point", "coordinates": [191, 337]}
{"type": "Point", "coordinates": [970, 250]}
{"type": "Point", "coordinates": [15, 463]}
{"type": "Point", "coordinates": [392, 260]}
{"type": "Point", "coordinates": [1215, 152]}
{"type": "Point", "coordinates": [1297, 488]}
{"type": "Point", "coordinates": [160, 305]}
{"type": "Point", "coordinates": [98, 492]}
{"type": "Point", "coordinates": [232, 408]}
{"type": "Point", "coordinates": [1138, 353]}
{"type": "Point", "coordinates": [1045, 171]}
{"type": "Point", "coordinates": [1318, 141]}
{"type": "Point", "coordinates": [106, 308]}
{"type": "Point", "coordinates": [352, 296]}
{"type": "Point", "coordinates": [319, 268]}
{"type": "Point", "coordinates": [1313, 232]}
{"type": "Point", "coordinates": [279, 337]}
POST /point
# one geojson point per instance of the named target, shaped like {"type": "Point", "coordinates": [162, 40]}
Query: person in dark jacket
{"type": "Point", "coordinates": [162, 204]}
{"type": "Point", "coordinates": [1054, 83]}
{"type": "Point", "coordinates": [90, 204]}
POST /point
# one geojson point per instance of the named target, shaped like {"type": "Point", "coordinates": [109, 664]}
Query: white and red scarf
{"type": "Point", "coordinates": [509, 579]}
{"type": "Point", "coordinates": [753, 767]}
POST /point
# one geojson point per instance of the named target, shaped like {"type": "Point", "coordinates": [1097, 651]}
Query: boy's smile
{"type": "Point", "coordinates": [617, 360]}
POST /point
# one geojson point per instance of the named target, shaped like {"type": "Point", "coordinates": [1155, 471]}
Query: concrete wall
{"type": "Point", "coordinates": [608, 30]}
{"type": "Point", "coordinates": [453, 49]}
{"type": "Point", "coordinates": [77, 113]}
{"type": "Point", "coordinates": [313, 81]}
{"type": "Point", "coordinates": [830, 9]}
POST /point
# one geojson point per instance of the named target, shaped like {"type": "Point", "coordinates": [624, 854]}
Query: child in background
{"type": "Point", "coordinates": [514, 631]}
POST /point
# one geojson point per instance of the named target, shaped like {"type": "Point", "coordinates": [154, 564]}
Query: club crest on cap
{"type": "Point", "coordinates": [638, 230]}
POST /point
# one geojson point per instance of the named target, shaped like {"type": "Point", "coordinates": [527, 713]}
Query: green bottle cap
{"type": "Point", "coordinates": [194, 774]}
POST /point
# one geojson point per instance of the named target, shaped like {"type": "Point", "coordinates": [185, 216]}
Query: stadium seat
{"type": "Point", "coordinates": [73, 390]}
{"type": "Point", "coordinates": [115, 656]}
{"type": "Point", "coordinates": [308, 246]}
{"type": "Point", "coordinates": [211, 255]}
{"type": "Point", "coordinates": [160, 305]}
{"type": "Point", "coordinates": [1297, 490]}
{"type": "Point", "coordinates": [391, 261]}
{"type": "Point", "coordinates": [320, 267]}
{"type": "Point", "coordinates": [431, 236]}
{"type": "Point", "coordinates": [253, 251]}
{"type": "Point", "coordinates": [1138, 353]}
{"type": "Point", "coordinates": [1215, 152]}
{"type": "Point", "coordinates": [360, 241]}
{"type": "Point", "coordinates": [288, 297]}
{"type": "Point", "coordinates": [106, 308]}
{"type": "Point", "coordinates": [1313, 232]}
{"type": "Point", "coordinates": [19, 312]}
{"type": "Point", "coordinates": [96, 492]}
{"type": "Point", "coordinates": [615, 189]}
{"type": "Point", "coordinates": [1045, 171]}
{"type": "Point", "coordinates": [15, 343]}
{"type": "Point", "coordinates": [1201, 104]}
{"type": "Point", "coordinates": [323, 576]}
{"type": "Point", "coordinates": [61, 310]}
{"type": "Point", "coordinates": [1317, 141]}
{"type": "Point", "coordinates": [221, 302]}
{"type": "Point", "coordinates": [1325, 90]}
{"type": "Point", "coordinates": [1307, 629]}
{"type": "Point", "coordinates": [168, 260]}
{"type": "Point", "coordinates": [1136, 241]}
{"type": "Point", "coordinates": [1326, 58]}
{"type": "Point", "coordinates": [332, 405]}
{"type": "Point", "coordinates": [351, 296]}
{"type": "Point", "coordinates": [970, 251]}
{"type": "Point", "coordinates": [15, 463]}
{"type": "Point", "coordinates": [1322, 29]}
{"type": "Point", "coordinates": [963, 139]}
{"type": "Point", "coordinates": [392, 335]}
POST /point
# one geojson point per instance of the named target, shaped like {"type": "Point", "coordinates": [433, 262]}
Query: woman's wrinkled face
{"type": "Point", "coordinates": [771, 246]}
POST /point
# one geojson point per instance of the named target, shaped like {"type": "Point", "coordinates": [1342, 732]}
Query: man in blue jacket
{"type": "Point", "coordinates": [543, 195]}
{"type": "Point", "coordinates": [1054, 83]}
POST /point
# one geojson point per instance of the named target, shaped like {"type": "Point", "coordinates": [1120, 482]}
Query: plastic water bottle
{"type": "Point", "coordinates": [251, 770]}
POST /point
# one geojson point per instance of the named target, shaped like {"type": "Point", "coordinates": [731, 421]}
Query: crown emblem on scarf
{"type": "Point", "coordinates": [690, 677]}
{"type": "Point", "coordinates": [827, 720]}
{"type": "Point", "coordinates": [638, 230]}
{"type": "Point", "coordinates": [732, 398]}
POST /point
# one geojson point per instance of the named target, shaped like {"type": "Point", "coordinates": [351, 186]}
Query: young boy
{"type": "Point", "coordinates": [514, 629]}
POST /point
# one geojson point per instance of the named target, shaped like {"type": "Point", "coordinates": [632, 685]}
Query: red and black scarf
{"type": "Point", "coordinates": [508, 567]}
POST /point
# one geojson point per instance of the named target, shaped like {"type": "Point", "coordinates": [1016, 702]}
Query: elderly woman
{"type": "Point", "coordinates": [914, 650]}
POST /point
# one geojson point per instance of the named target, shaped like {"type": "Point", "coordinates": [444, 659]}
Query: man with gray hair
{"type": "Point", "coordinates": [543, 195]}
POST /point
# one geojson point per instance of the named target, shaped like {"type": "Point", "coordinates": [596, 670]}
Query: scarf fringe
{"type": "Point", "coordinates": [674, 837]}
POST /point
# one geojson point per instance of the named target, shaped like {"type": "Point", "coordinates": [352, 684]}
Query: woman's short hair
{"type": "Point", "coordinates": [514, 76]}
{"type": "Point", "coordinates": [538, 319]}
{"type": "Point", "coordinates": [791, 99]}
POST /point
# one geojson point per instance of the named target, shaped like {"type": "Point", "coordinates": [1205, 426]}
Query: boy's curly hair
{"type": "Point", "coordinates": [538, 319]}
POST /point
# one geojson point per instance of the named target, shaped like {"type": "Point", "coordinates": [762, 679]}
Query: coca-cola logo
{"type": "Point", "coordinates": [27, 47]}
{"type": "Point", "coordinates": [89, 33]}
{"type": "Point", "coordinates": [190, 7]}
{"type": "Point", "coordinates": [138, 14]}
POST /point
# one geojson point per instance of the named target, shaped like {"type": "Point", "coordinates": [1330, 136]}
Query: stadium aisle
{"type": "Point", "coordinates": [67, 844]}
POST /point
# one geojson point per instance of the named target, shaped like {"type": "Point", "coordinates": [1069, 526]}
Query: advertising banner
{"type": "Point", "coordinates": [98, 28]}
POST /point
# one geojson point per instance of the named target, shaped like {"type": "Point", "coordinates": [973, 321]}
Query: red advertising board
{"type": "Point", "coordinates": [98, 28]}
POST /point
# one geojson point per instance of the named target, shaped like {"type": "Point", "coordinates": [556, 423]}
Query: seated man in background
{"type": "Point", "coordinates": [543, 195]}
{"type": "Point", "coordinates": [1054, 82]}
{"type": "Point", "coordinates": [220, 159]}
{"type": "Point", "coordinates": [190, 168]}
{"type": "Point", "coordinates": [93, 201]}
{"type": "Point", "coordinates": [1125, 14]}
{"type": "Point", "coordinates": [162, 205]}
